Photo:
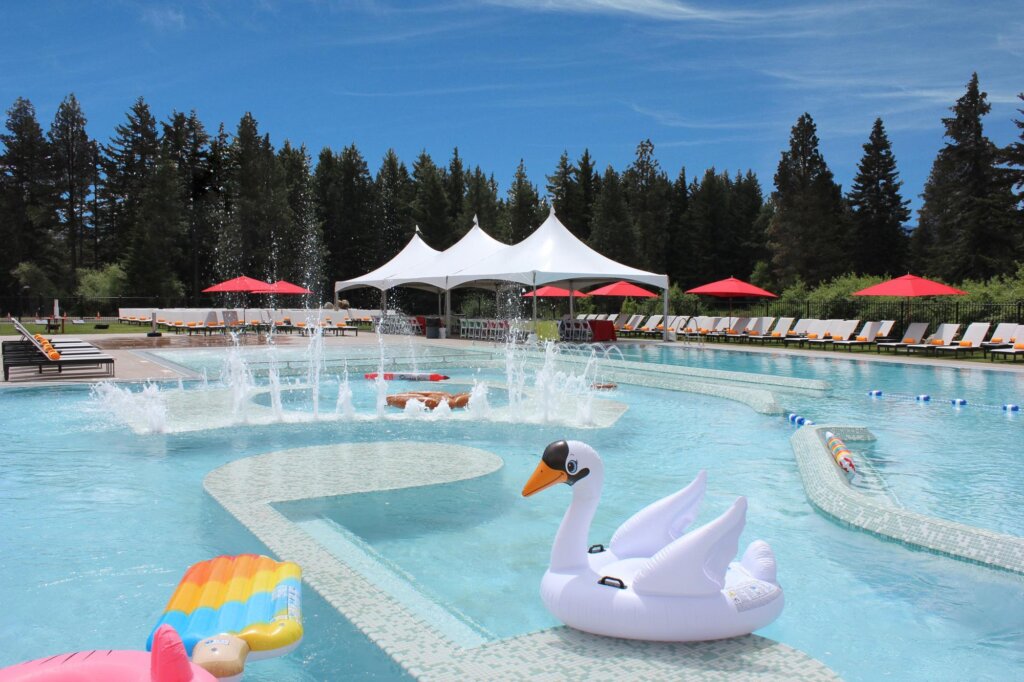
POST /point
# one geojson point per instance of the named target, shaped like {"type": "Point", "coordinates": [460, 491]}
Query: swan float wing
{"type": "Point", "coordinates": [659, 523]}
{"type": "Point", "coordinates": [695, 564]}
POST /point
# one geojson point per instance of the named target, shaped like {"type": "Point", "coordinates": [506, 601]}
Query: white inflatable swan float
{"type": "Point", "coordinates": [653, 582]}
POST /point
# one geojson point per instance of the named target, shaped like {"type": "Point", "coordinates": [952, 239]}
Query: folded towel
{"type": "Point", "coordinates": [937, 342]}
{"type": "Point", "coordinates": [862, 338]}
{"type": "Point", "coordinates": [966, 344]}
{"type": "Point", "coordinates": [997, 339]}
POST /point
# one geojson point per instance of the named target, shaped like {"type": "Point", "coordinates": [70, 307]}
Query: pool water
{"type": "Point", "coordinates": [105, 520]}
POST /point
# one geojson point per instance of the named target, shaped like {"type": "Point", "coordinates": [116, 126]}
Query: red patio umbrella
{"type": "Point", "coordinates": [731, 288]}
{"type": "Point", "coordinates": [241, 284]}
{"type": "Point", "coordinates": [281, 287]}
{"type": "Point", "coordinates": [622, 288]}
{"type": "Point", "coordinates": [555, 292]}
{"type": "Point", "coordinates": [910, 286]}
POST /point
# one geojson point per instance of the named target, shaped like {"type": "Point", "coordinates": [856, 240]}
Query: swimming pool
{"type": "Point", "coordinates": [128, 514]}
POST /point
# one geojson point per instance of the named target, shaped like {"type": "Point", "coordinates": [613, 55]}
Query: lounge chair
{"type": "Point", "coordinates": [969, 342]}
{"type": "Point", "coordinates": [801, 326]}
{"type": "Point", "coordinates": [29, 351]}
{"type": "Point", "coordinates": [840, 330]}
{"type": "Point", "coordinates": [814, 330]}
{"type": "Point", "coordinates": [1012, 351]}
{"type": "Point", "coordinates": [632, 326]}
{"type": "Point", "coordinates": [865, 337]}
{"type": "Point", "coordinates": [782, 327]}
{"type": "Point", "coordinates": [1004, 336]}
{"type": "Point", "coordinates": [943, 336]}
{"type": "Point", "coordinates": [886, 329]}
{"type": "Point", "coordinates": [914, 334]}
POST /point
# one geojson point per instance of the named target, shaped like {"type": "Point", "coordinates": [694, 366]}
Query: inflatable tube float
{"type": "Point", "coordinates": [604, 387]}
{"type": "Point", "coordinates": [840, 453]}
{"type": "Point", "coordinates": [430, 399]}
{"type": "Point", "coordinates": [231, 608]}
{"type": "Point", "coordinates": [652, 582]}
{"type": "Point", "coordinates": [168, 662]}
{"type": "Point", "coordinates": [407, 376]}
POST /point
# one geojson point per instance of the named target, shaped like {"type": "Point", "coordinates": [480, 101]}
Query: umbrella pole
{"type": "Point", "coordinates": [572, 315]}
{"type": "Point", "coordinates": [664, 316]}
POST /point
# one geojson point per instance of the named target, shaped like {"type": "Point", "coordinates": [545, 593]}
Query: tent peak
{"type": "Point", "coordinates": [476, 221]}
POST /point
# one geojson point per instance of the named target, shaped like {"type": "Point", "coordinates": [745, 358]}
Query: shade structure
{"type": "Point", "coordinates": [554, 292]}
{"type": "Point", "coordinates": [281, 287]}
{"type": "Point", "coordinates": [241, 284]}
{"type": "Point", "coordinates": [731, 288]}
{"type": "Point", "coordinates": [622, 288]}
{"type": "Point", "coordinates": [415, 252]}
{"type": "Point", "coordinates": [910, 286]}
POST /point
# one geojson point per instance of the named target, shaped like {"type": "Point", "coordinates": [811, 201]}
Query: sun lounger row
{"type": "Point", "coordinates": [38, 352]}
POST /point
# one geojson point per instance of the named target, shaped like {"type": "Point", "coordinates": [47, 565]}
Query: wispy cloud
{"type": "Point", "coordinates": [881, 88]}
{"type": "Point", "coordinates": [672, 119]}
{"type": "Point", "coordinates": [164, 18]}
{"type": "Point", "coordinates": [675, 10]}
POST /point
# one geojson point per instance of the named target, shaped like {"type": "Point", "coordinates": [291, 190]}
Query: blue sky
{"type": "Point", "coordinates": [710, 83]}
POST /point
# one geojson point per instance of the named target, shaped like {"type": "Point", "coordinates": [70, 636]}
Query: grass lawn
{"type": "Point", "coordinates": [89, 327]}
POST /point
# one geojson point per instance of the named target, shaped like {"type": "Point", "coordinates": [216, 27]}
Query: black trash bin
{"type": "Point", "coordinates": [433, 327]}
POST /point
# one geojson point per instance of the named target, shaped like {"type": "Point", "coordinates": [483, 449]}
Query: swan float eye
{"type": "Point", "coordinates": [570, 467]}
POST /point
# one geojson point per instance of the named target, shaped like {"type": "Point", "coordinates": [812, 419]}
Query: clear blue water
{"type": "Point", "coordinates": [106, 520]}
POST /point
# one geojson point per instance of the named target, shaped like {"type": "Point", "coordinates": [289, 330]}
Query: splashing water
{"type": "Point", "coordinates": [344, 405]}
{"type": "Point", "coordinates": [237, 377]}
{"type": "Point", "coordinates": [145, 411]}
{"type": "Point", "coordinates": [479, 405]}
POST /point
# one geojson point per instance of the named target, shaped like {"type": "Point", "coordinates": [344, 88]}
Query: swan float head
{"type": "Point", "coordinates": [567, 461]}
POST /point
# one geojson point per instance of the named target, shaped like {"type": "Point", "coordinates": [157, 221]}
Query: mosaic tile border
{"type": "Point", "coordinates": [249, 487]}
{"type": "Point", "coordinates": [828, 490]}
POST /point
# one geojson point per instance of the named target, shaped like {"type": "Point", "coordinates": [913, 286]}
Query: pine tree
{"type": "Point", "coordinates": [128, 162]}
{"type": "Point", "coordinates": [648, 191]}
{"type": "Point", "coordinates": [219, 208]}
{"type": "Point", "coordinates": [156, 235]}
{"type": "Point", "coordinates": [612, 233]}
{"type": "Point", "coordinates": [430, 202]}
{"type": "Point", "coordinates": [259, 201]}
{"type": "Point", "coordinates": [27, 197]}
{"type": "Point", "coordinates": [394, 209]}
{"type": "Point", "coordinates": [563, 191]}
{"type": "Point", "coordinates": [455, 190]}
{"type": "Point", "coordinates": [678, 242]}
{"type": "Point", "coordinates": [745, 207]}
{"type": "Point", "coordinates": [185, 142]}
{"type": "Point", "coordinates": [711, 232]}
{"type": "Point", "coordinates": [878, 212]}
{"type": "Point", "coordinates": [300, 255]}
{"type": "Point", "coordinates": [74, 158]}
{"type": "Point", "coordinates": [481, 202]}
{"type": "Point", "coordinates": [1013, 156]}
{"type": "Point", "coordinates": [523, 208]}
{"type": "Point", "coordinates": [589, 183]}
{"type": "Point", "coordinates": [808, 232]}
{"type": "Point", "coordinates": [968, 227]}
{"type": "Point", "coordinates": [359, 205]}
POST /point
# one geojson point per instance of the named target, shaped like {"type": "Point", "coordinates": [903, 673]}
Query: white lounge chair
{"type": "Point", "coordinates": [969, 342]}
{"type": "Point", "coordinates": [914, 334]}
{"type": "Point", "coordinates": [943, 336]}
{"type": "Point", "coordinates": [865, 337]}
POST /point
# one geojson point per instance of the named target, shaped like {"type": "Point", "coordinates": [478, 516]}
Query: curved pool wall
{"type": "Point", "coordinates": [745, 452]}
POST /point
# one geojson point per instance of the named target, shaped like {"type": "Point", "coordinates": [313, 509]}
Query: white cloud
{"type": "Point", "coordinates": [164, 18]}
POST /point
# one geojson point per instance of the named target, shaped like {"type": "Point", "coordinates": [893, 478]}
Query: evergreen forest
{"type": "Point", "coordinates": [165, 207]}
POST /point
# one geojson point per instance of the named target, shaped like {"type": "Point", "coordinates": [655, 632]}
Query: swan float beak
{"type": "Point", "coordinates": [543, 477]}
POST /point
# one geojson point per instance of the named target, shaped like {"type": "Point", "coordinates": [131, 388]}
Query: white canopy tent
{"type": "Point", "coordinates": [550, 255]}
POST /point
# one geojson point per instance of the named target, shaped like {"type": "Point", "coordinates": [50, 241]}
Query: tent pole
{"type": "Point", "coordinates": [664, 315]}
{"type": "Point", "coordinates": [535, 301]}
{"type": "Point", "coordinates": [572, 314]}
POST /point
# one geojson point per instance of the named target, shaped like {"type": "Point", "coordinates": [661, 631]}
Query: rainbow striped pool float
{"type": "Point", "coordinates": [249, 596]}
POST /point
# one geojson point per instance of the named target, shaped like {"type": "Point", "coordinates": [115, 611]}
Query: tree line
{"type": "Point", "coordinates": [165, 208]}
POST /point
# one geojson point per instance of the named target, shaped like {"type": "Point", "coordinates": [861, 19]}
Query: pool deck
{"type": "Point", "coordinates": [249, 488]}
{"type": "Point", "coordinates": [135, 366]}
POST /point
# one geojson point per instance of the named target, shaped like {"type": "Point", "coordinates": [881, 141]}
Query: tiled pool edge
{"type": "Point", "coordinates": [248, 488]}
{"type": "Point", "coordinates": [829, 492]}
